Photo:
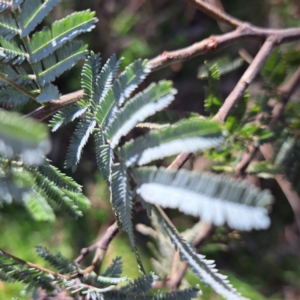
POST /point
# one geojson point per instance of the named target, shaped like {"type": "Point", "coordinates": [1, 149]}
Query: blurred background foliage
{"type": "Point", "coordinates": [262, 264]}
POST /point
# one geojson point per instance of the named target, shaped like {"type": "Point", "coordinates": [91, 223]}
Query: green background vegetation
{"type": "Point", "coordinates": [261, 265]}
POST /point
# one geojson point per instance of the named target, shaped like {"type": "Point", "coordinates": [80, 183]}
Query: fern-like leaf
{"type": "Point", "coordinates": [52, 192]}
{"type": "Point", "coordinates": [60, 179]}
{"type": "Point", "coordinates": [57, 260]}
{"type": "Point", "coordinates": [121, 197]}
{"type": "Point", "coordinates": [115, 268]}
{"type": "Point", "coordinates": [9, 96]}
{"type": "Point", "coordinates": [8, 26]}
{"type": "Point", "coordinates": [45, 42]}
{"type": "Point", "coordinates": [67, 115]}
{"type": "Point", "coordinates": [38, 207]}
{"type": "Point", "coordinates": [49, 92]}
{"type": "Point", "coordinates": [186, 294]}
{"type": "Point", "coordinates": [89, 75]}
{"type": "Point", "coordinates": [33, 12]}
{"type": "Point", "coordinates": [143, 105]}
{"type": "Point", "coordinates": [203, 268]}
{"type": "Point", "coordinates": [104, 156]}
{"type": "Point", "coordinates": [62, 60]}
{"type": "Point", "coordinates": [105, 79]}
{"type": "Point", "coordinates": [18, 75]}
{"type": "Point", "coordinates": [214, 198]}
{"type": "Point", "coordinates": [129, 79]}
{"type": "Point", "coordinates": [185, 136]}
{"type": "Point", "coordinates": [10, 51]}
{"type": "Point", "coordinates": [78, 141]}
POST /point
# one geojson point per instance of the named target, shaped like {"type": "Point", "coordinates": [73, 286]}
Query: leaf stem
{"type": "Point", "coordinates": [17, 86]}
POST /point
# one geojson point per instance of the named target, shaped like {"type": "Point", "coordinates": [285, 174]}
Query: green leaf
{"type": "Point", "coordinates": [23, 136]}
{"type": "Point", "coordinates": [59, 178]}
{"type": "Point", "coordinates": [52, 192]}
{"type": "Point", "coordinates": [67, 115]}
{"type": "Point", "coordinates": [121, 199]}
{"type": "Point", "coordinates": [184, 136]}
{"type": "Point", "coordinates": [33, 12]}
{"type": "Point", "coordinates": [129, 79]}
{"type": "Point", "coordinates": [204, 269]}
{"type": "Point", "coordinates": [9, 96]}
{"type": "Point", "coordinates": [62, 60]}
{"type": "Point", "coordinates": [57, 260]}
{"type": "Point", "coordinates": [121, 90]}
{"type": "Point", "coordinates": [78, 141]}
{"type": "Point", "coordinates": [45, 42]}
{"type": "Point", "coordinates": [143, 105]}
{"type": "Point", "coordinates": [214, 198]}
{"type": "Point", "coordinates": [219, 66]}
{"type": "Point", "coordinates": [38, 207]}
{"type": "Point", "coordinates": [186, 294]}
{"type": "Point", "coordinates": [89, 74]}
{"type": "Point", "coordinates": [10, 51]}
{"type": "Point", "coordinates": [115, 268]}
{"type": "Point", "coordinates": [8, 26]}
{"type": "Point", "coordinates": [274, 69]}
{"type": "Point", "coordinates": [49, 92]}
{"type": "Point", "coordinates": [104, 156]}
{"type": "Point", "coordinates": [105, 79]}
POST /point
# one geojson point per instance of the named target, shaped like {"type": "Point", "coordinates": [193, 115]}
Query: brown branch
{"type": "Point", "coordinates": [282, 35]}
{"type": "Point", "coordinates": [211, 44]}
{"type": "Point", "coordinates": [31, 265]}
{"type": "Point", "coordinates": [54, 106]}
{"type": "Point", "coordinates": [215, 12]}
{"type": "Point", "coordinates": [245, 80]}
{"type": "Point", "coordinates": [101, 244]}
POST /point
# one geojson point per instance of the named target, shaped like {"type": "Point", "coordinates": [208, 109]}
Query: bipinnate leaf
{"type": "Point", "coordinates": [67, 115]}
{"type": "Point", "coordinates": [89, 74]}
{"type": "Point", "coordinates": [33, 12]}
{"type": "Point", "coordinates": [129, 80]}
{"type": "Point", "coordinates": [214, 198]}
{"type": "Point", "coordinates": [49, 92]}
{"type": "Point", "coordinates": [62, 60]}
{"type": "Point", "coordinates": [23, 136]}
{"type": "Point", "coordinates": [8, 26]}
{"type": "Point", "coordinates": [184, 136]}
{"type": "Point", "coordinates": [121, 200]}
{"type": "Point", "coordinates": [9, 96]}
{"type": "Point", "coordinates": [105, 80]}
{"type": "Point", "coordinates": [57, 260]}
{"type": "Point", "coordinates": [10, 51]}
{"type": "Point", "coordinates": [79, 139]}
{"type": "Point", "coordinates": [144, 104]}
{"type": "Point", "coordinates": [45, 42]}
{"type": "Point", "coordinates": [204, 269]}
{"type": "Point", "coordinates": [104, 156]}
{"type": "Point", "coordinates": [38, 207]}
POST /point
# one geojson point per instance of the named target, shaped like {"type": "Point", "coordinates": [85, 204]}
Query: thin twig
{"type": "Point", "coordinates": [215, 12]}
{"type": "Point", "coordinates": [31, 265]}
{"type": "Point", "coordinates": [54, 106]}
{"type": "Point", "coordinates": [102, 243]}
{"type": "Point", "coordinates": [17, 87]}
{"type": "Point", "coordinates": [245, 80]}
